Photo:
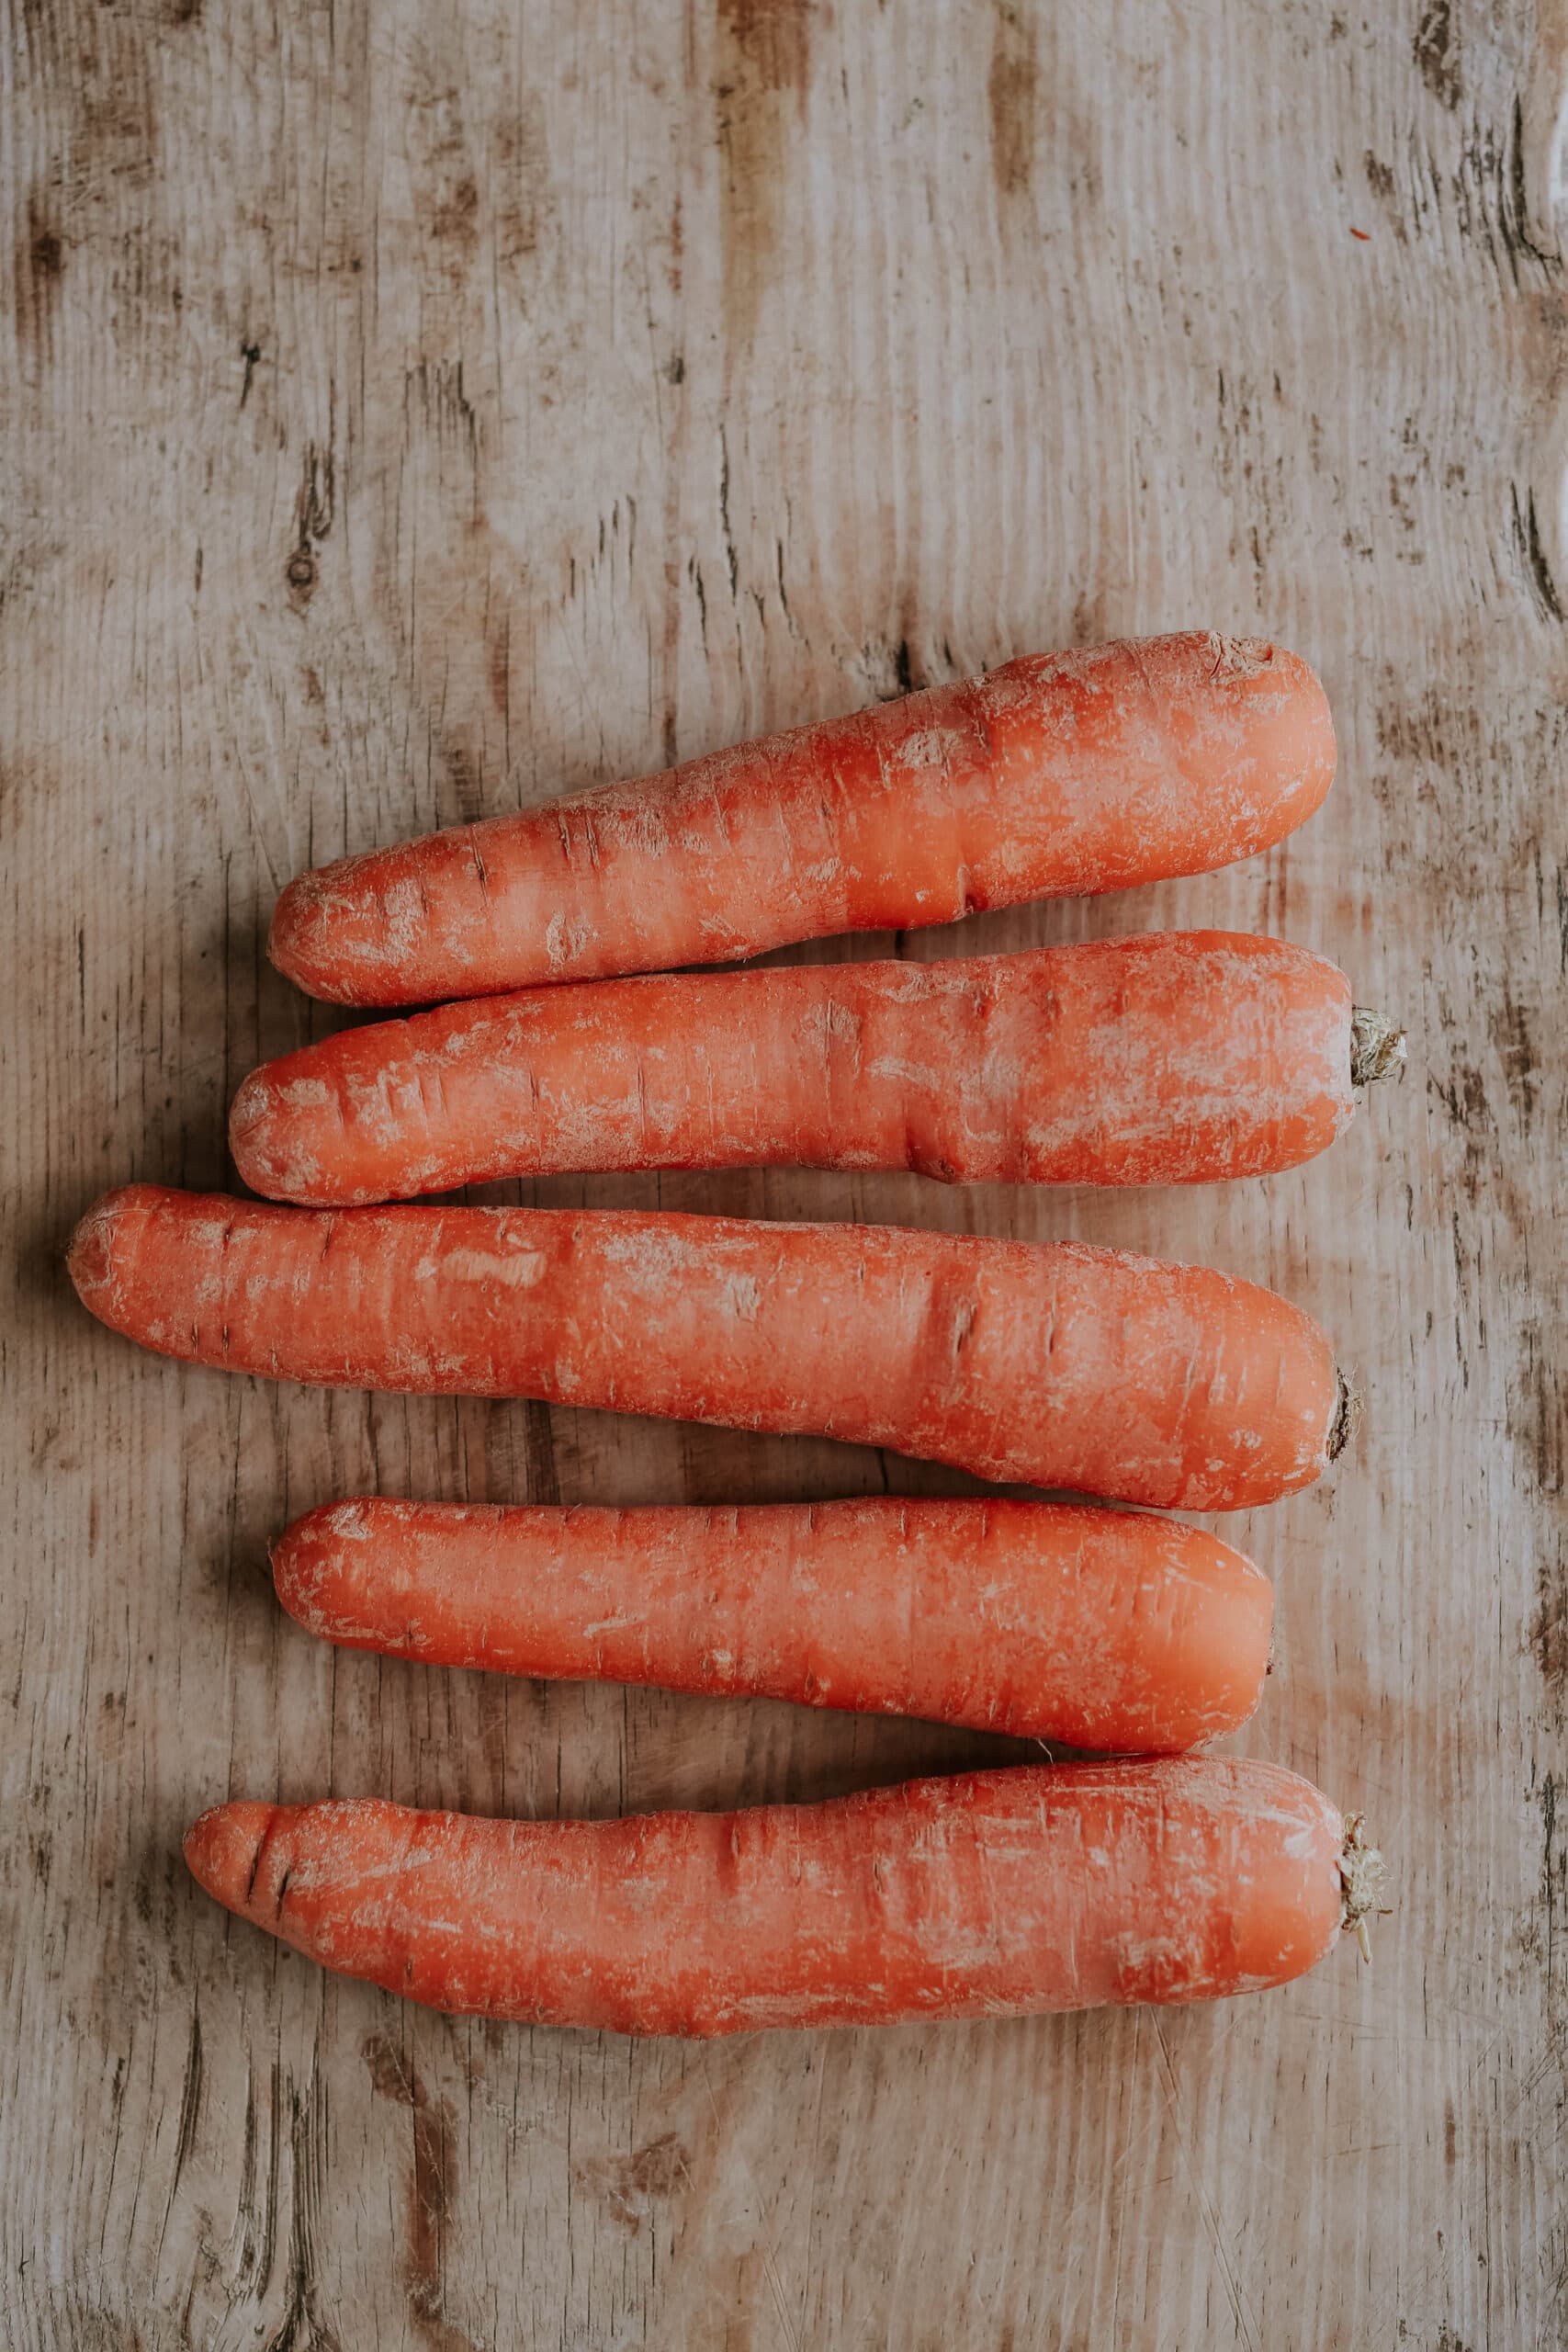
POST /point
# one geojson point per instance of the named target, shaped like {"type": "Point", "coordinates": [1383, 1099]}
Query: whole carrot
{"type": "Point", "coordinates": [1074, 772]}
{"type": "Point", "coordinates": [1056, 1364]}
{"type": "Point", "coordinates": [991, 1895]}
{"type": "Point", "coordinates": [1174, 1059]}
{"type": "Point", "coordinates": [1105, 1629]}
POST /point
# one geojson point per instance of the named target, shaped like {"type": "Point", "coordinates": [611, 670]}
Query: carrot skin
{"type": "Point", "coordinates": [1104, 1628]}
{"type": "Point", "coordinates": [1054, 1365]}
{"type": "Point", "coordinates": [1179, 1058]}
{"type": "Point", "coordinates": [1078, 772]}
{"type": "Point", "coordinates": [989, 1895]}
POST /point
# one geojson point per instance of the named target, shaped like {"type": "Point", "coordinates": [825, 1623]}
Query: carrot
{"type": "Point", "coordinates": [1175, 1059]}
{"type": "Point", "coordinates": [989, 1895]}
{"type": "Point", "coordinates": [1058, 1364]}
{"type": "Point", "coordinates": [1105, 1629]}
{"type": "Point", "coordinates": [1076, 772]}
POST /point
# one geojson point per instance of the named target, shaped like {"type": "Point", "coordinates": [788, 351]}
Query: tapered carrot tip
{"type": "Point", "coordinates": [313, 1568]}
{"type": "Point", "coordinates": [223, 1850]}
{"type": "Point", "coordinates": [89, 1256]}
{"type": "Point", "coordinates": [300, 930]}
{"type": "Point", "coordinates": [104, 1246]}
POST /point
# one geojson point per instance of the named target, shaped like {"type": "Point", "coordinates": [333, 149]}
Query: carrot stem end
{"type": "Point", "coordinates": [1362, 1875]}
{"type": "Point", "coordinates": [1377, 1046]}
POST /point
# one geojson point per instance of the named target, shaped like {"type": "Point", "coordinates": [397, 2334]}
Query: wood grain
{"type": "Point", "coordinates": [409, 412]}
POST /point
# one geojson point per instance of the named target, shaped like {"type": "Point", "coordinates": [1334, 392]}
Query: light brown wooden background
{"type": "Point", "coordinates": [409, 411]}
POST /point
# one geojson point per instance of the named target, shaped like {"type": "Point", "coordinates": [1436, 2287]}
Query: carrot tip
{"type": "Point", "coordinates": [1377, 1046]}
{"type": "Point", "coordinates": [96, 1250]}
{"type": "Point", "coordinates": [1362, 1874]}
{"type": "Point", "coordinates": [222, 1848]}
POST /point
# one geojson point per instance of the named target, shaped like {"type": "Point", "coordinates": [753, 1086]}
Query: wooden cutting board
{"type": "Point", "coordinates": [410, 412]}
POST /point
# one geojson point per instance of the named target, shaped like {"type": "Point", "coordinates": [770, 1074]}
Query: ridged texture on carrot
{"type": "Point", "coordinates": [1057, 1364]}
{"type": "Point", "coordinates": [1105, 1629]}
{"type": "Point", "coordinates": [996, 1894]}
{"type": "Point", "coordinates": [1174, 1059]}
{"type": "Point", "coordinates": [1073, 771]}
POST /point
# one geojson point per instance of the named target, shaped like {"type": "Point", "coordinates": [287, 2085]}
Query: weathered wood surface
{"type": "Point", "coordinates": [410, 411]}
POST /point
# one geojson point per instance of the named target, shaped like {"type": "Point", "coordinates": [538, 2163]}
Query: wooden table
{"type": "Point", "coordinates": [409, 412]}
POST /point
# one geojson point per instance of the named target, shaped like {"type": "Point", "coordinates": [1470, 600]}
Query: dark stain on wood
{"type": "Point", "coordinates": [317, 493]}
{"type": "Point", "coordinates": [1525, 530]}
{"type": "Point", "coordinates": [1380, 180]}
{"type": "Point", "coordinates": [1553, 1900]}
{"type": "Point", "coordinates": [40, 264]}
{"type": "Point", "coordinates": [46, 254]}
{"type": "Point", "coordinates": [771, 38]}
{"type": "Point", "coordinates": [498, 666]}
{"type": "Point", "coordinates": [1490, 200]}
{"type": "Point", "coordinates": [519, 182]}
{"type": "Point", "coordinates": [1424, 728]}
{"type": "Point", "coordinates": [433, 2184]}
{"type": "Point", "coordinates": [1512, 1027]}
{"type": "Point", "coordinates": [1536, 1410]}
{"type": "Point", "coordinates": [1012, 88]}
{"type": "Point", "coordinates": [313, 512]}
{"type": "Point", "coordinates": [630, 2187]}
{"type": "Point", "coordinates": [1470, 1113]}
{"type": "Point", "coordinates": [455, 216]}
{"type": "Point", "coordinates": [1436, 51]}
{"type": "Point", "coordinates": [761, 72]}
{"type": "Point", "coordinates": [432, 2189]}
{"type": "Point", "coordinates": [445, 179]}
{"type": "Point", "coordinates": [1512, 209]}
{"type": "Point", "coordinates": [539, 1453]}
{"type": "Point", "coordinates": [389, 2078]}
{"type": "Point", "coordinates": [468, 784]}
{"type": "Point", "coordinates": [1549, 1629]}
{"type": "Point", "coordinates": [445, 406]}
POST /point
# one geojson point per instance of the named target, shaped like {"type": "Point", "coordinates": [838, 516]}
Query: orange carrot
{"type": "Point", "coordinates": [1057, 1364]}
{"type": "Point", "coordinates": [1105, 1629]}
{"type": "Point", "coordinates": [991, 1894]}
{"type": "Point", "coordinates": [1072, 772]}
{"type": "Point", "coordinates": [1175, 1059]}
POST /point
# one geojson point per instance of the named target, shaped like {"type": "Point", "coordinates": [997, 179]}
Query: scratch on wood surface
{"type": "Point", "coordinates": [1533, 555]}
{"type": "Point", "coordinates": [1213, 2223]}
